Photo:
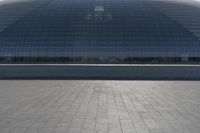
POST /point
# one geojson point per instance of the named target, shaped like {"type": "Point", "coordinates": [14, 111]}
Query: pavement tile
{"type": "Point", "coordinates": [99, 106]}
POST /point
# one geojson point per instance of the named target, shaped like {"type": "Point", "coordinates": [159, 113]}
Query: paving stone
{"type": "Point", "coordinates": [151, 124]}
{"type": "Point", "coordinates": [61, 129]}
{"type": "Point", "coordinates": [99, 106]}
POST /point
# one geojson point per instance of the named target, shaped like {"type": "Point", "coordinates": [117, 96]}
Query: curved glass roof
{"type": "Point", "coordinates": [98, 28]}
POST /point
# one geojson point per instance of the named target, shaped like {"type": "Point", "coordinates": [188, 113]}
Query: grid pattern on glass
{"type": "Point", "coordinates": [96, 29]}
{"type": "Point", "coordinates": [184, 12]}
{"type": "Point", "coordinates": [13, 10]}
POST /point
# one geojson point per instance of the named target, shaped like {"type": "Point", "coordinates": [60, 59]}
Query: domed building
{"type": "Point", "coordinates": [99, 31]}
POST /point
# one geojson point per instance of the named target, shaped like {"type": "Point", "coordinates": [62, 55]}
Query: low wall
{"type": "Point", "coordinates": [138, 72]}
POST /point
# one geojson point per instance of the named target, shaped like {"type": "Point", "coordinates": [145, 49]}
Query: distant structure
{"type": "Point", "coordinates": [99, 31]}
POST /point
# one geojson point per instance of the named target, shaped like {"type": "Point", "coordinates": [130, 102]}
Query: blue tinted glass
{"type": "Point", "coordinates": [95, 29]}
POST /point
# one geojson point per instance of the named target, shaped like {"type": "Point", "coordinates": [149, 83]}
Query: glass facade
{"type": "Point", "coordinates": [97, 31]}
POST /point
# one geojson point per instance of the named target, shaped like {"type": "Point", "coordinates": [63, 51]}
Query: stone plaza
{"type": "Point", "coordinates": [99, 106]}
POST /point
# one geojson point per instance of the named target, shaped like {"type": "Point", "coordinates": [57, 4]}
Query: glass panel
{"type": "Point", "coordinates": [97, 31]}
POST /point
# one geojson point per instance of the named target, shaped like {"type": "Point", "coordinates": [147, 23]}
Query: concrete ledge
{"type": "Point", "coordinates": [137, 72]}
